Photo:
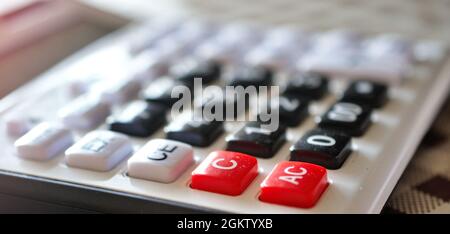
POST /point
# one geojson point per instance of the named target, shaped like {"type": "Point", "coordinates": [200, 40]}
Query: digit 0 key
{"type": "Point", "coordinates": [324, 148]}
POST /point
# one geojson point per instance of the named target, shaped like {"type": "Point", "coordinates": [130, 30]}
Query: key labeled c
{"type": "Point", "coordinates": [231, 167]}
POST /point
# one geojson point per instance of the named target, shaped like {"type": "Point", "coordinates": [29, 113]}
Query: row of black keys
{"type": "Point", "coordinates": [307, 86]}
{"type": "Point", "coordinates": [329, 145]}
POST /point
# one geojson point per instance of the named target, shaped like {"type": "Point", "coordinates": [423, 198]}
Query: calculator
{"type": "Point", "coordinates": [98, 132]}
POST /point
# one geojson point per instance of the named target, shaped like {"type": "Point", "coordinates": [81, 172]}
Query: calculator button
{"type": "Point", "coordinates": [118, 91]}
{"type": "Point", "coordinates": [251, 76]}
{"type": "Point", "coordinates": [84, 113]}
{"type": "Point", "coordinates": [17, 126]}
{"type": "Point", "coordinates": [292, 110]}
{"type": "Point", "coordinates": [225, 172]}
{"type": "Point", "coordinates": [187, 71]}
{"type": "Point", "coordinates": [139, 119]}
{"type": "Point", "coordinates": [232, 103]}
{"type": "Point", "coordinates": [99, 151]}
{"type": "Point", "coordinates": [307, 85]}
{"type": "Point", "coordinates": [44, 142]}
{"type": "Point", "coordinates": [200, 133]}
{"type": "Point", "coordinates": [366, 93]}
{"type": "Point", "coordinates": [161, 160]}
{"type": "Point", "coordinates": [350, 118]}
{"type": "Point", "coordinates": [257, 140]}
{"type": "Point", "coordinates": [321, 147]}
{"type": "Point", "coordinates": [294, 184]}
{"type": "Point", "coordinates": [160, 91]}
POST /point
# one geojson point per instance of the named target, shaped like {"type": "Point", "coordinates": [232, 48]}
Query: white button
{"type": "Point", "coordinates": [84, 113]}
{"type": "Point", "coordinates": [161, 160]}
{"type": "Point", "coordinates": [17, 125]}
{"type": "Point", "coordinates": [44, 142]}
{"type": "Point", "coordinates": [77, 87]}
{"type": "Point", "coordinates": [430, 51]}
{"type": "Point", "coordinates": [99, 151]}
{"type": "Point", "coordinates": [118, 91]}
{"type": "Point", "coordinates": [336, 40]}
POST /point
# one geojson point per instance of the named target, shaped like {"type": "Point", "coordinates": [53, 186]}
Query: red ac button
{"type": "Point", "coordinates": [225, 172]}
{"type": "Point", "coordinates": [294, 184]}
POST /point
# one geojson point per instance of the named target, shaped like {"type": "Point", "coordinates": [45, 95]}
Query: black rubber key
{"type": "Point", "coordinates": [349, 118]}
{"type": "Point", "coordinates": [256, 140]}
{"type": "Point", "coordinates": [139, 119]}
{"type": "Point", "coordinates": [197, 133]}
{"type": "Point", "coordinates": [366, 93]}
{"type": "Point", "coordinates": [231, 104]}
{"type": "Point", "coordinates": [187, 71]}
{"type": "Point", "coordinates": [307, 85]}
{"type": "Point", "coordinates": [325, 148]}
{"type": "Point", "coordinates": [292, 110]}
{"type": "Point", "coordinates": [251, 76]}
{"type": "Point", "coordinates": [160, 91]}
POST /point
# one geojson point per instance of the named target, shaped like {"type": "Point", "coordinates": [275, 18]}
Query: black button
{"type": "Point", "coordinates": [308, 85]}
{"type": "Point", "coordinates": [366, 93]}
{"type": "Point", "coordinates": [292, 110]}
{"type": "Point", "coordinates": [139, 119]}
{"type": "Point", "coordinates": [187, 71]}
{"type": "Point", "coordinates": [197, 133]}
{"type": "Point", "coordinates": [160, 91]}
{"type": "Point", "coordinates": [256, 140]}
{"type": "Point", "coordinates": [321, 147]}
{"type": "Point", "coordinates": [232, 104]}
{"type": "Point", "coordinates": [350, 118]}
{"type": "Point", "coordinates": [251, 76]}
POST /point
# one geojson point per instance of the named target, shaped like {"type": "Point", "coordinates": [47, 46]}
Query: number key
{"type": "Point", "coordinates": [321, 147]}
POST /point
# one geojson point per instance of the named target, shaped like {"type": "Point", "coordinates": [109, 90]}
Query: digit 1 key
{"type": "Point", "coordinates": [256, 140]}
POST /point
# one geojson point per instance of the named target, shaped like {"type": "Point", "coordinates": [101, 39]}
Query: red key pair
{"type": "Point", "coordinates": [290, 183]}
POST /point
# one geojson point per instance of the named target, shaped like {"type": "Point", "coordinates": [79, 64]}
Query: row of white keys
{"type": "Point", "coordinates": [385, 58]}
{"type": "Point", "coordinates": [229, 44]}
{"type": "Point", "coordinates": [280, 48]}
{"type": "Point", "coordinates": [159, 160]}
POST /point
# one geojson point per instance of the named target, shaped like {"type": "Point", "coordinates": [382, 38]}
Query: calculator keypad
{"type": "Point", "coordinates": [310, 68]}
